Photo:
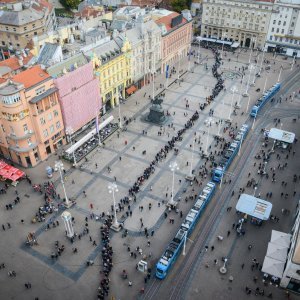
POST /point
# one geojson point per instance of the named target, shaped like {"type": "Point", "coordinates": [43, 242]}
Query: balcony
{"type": "Point", "coordinates": [27, 135]}
{"type": "Point", "coordinates": [21, 149]}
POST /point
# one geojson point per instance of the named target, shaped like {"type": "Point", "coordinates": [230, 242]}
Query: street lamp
{"type": "Point", "coordinates": [118, 101]}
{"type": "Point", "coordinates": [265, 165]}
{"type": "Point", "coordinates": [223, 36]}
{"type": "Point", "coordinates": [112, 189]}
{"type": "Point", "coordinates": [279, 74]}
{"type": "Point", "coordinates": [251, 67]}
{"type": "Point", "coordinates": [173, 167]}
{"type": "Point", "coordinates": [240, 97]}
{"type": "Point", "coordinates": [191, 176]}
{"type": "Point", "coordinates": [208, 123]}
{"type": "Point", "coordinates": [69, 132]}
{"type": "Point", "coordinates": [255, 188]}
{"type": "Point", "coordinates": [233, 90]}
{"type": "Point", "coordinates": [60, 167]}
{"type": "Point", "coordinates": [223, 269]}
{"type": "Point", "coordinates": [153, 76]}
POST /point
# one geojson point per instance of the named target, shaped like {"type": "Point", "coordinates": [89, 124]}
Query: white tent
{"type": "Point", "coordinates": [254, 207]}
{"type": "Point", "coordinates": [281, 135]}
{"type": "Point", "coordinates": [277, 252]}
{"type": "Point", "coordinates": [280, 238]}
{"type": "Point", "coordinates": [273, 267]}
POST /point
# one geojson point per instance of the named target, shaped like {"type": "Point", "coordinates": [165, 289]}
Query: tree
{"type": "Point", "coordinates": [179, 5]}
{"type": "Point", "coordinates": [73, 4]}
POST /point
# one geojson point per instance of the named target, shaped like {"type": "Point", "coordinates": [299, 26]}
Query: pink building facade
{"type": "Point", "coordinates": [79, 96]}
{"type": "Point", "coordinates": [176, 39]}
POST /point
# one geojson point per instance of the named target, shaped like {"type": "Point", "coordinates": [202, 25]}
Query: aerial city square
{"type": "Point", "coordinates": [149, 149]}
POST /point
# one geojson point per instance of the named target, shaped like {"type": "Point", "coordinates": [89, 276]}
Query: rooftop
{"type": "Point", "coordinates": [167, 21]}
{"type": "Point", "coordinates": [67, 65]}
{"type": "Point", "coordinates": [31, 76]}
{"type": "Point", "coordinates": [27, 15]}
{"type": "Point", "coordinates": [13, 63]}
{"type": "Point", "coordinates": [47, 53]}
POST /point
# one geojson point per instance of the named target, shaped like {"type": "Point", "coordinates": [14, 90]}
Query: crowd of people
{"type": "Point", "coordinates": [107, 253]}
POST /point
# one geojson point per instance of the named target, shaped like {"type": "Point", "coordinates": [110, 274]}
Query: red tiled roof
{"type": "Point", "coordinates": [42, 5]}
{"type": "Point", "coordinates": [2, 80]}
{"type": "Point", "coordinates": [167, 20]}
{"type": "Point", "coordinates": [89, 11]}
{"type": "Point", "coordinates": [31, 76]}
{"type": "Point", "coordinates": [13, 62]}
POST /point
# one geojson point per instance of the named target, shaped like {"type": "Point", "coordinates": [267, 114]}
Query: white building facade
{"type": "Point", "coordinates": [291, 274]}
{"type": "Point", "coordinates": [284, 29]}
{"type": "Point", "coordinates": [145, 40]}
{"type": "Point", "coordinates": [242, 21]}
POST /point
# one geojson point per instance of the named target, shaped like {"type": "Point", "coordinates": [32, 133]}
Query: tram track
{"type": "Point", "coordinates": [189, 264]}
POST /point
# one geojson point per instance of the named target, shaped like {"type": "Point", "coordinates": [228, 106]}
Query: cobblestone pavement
{"type": "Point", "coordinates": [68, 277]}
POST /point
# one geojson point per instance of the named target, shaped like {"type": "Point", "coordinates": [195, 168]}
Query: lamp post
{"type": "Point", "coordinates": [179, 58]}
{"type": "Point", "coordinates": [255, 188]}
{"type": "Point", "coordinates": [208, 122]}
{"type": "Point", "coordinates": [199, 53]}
{"type": "Point", "coordinates": [191, 176]}
{"type": "Point", "coordinates": [265, 165]}
{"type": "Point", "coordinates": [60, 166]}
{"type": "Point", "coordinates": [119, 107]}
{"type": "Point", "coordinates": [251, 67]}
{"type": "Point", "coordinates": [69, 132]}
{"type": "Point", "coordinates": [153, 76]}
{"type": "Point", "coordinates": [265, 85]}
{"type": "Point", "coordinates": [248, 103]}
{"type": "Point", "coordinates": [173, 167]}
{"type": "Point", "coordinates": [233, 90]}
{"type": "Point", "coordinates": [260, 68]}
{"type": "Point", "coordinates": [223, 269]}
{"type": "Point", "coordinates": [67, 218]}
{"type": "Point", "coordinates": [112, 189]}
{"type": "Point", "coordinates": [240, 97]}
{"type": "Point", "coordinates": [223, 36]}
{"type": "Point", "coordinates": [293, 62]}
{"type": "Point", "coordinates": [278, 80]}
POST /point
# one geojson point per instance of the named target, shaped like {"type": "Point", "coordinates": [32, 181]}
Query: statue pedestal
{"type": "Point", "coordinates": [157, 116]}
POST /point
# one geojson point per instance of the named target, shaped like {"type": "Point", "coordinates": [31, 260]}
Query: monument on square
{"type": "Point", "coordinates": [157, 115]}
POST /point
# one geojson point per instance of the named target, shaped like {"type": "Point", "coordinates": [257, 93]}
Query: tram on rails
{"type": "Point", "coordinates": [229, 154]}
{"type": "Point", "coordinates": [171, 253]}
{"type": "Point", "coordinates": [264, 99]}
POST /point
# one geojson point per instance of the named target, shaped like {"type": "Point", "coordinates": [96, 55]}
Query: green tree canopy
{"type": "Point", "coordinates": [179, 5]}
{"type": "Point", "coordinates": [71, 3]}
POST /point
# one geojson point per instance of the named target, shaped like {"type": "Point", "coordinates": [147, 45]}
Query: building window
{"type": "Point", "coordinates": [35, 33]}
{"type": "Point", "coordinates": [50, 116]}
{"type": "Point", "coordinates": [279, 22]}
{"type": "Point", "coordinates": [45, 133]}
{"type": "Point", "coordinates": [25, 128]}
{"type": "Point", "coordinates": [277, 30]}
{"type": "Point", "coordinates": [284, 23]}
{"type": "Point", "coordinates": [51, 128]}
{"type": "Point", "coordinates": [3, 43]}
{"type": "Point", "coordinates": [40, 90]}
{"type": "Point", "coordinates": [271, 37]}
{"type": "Point", "coordinates": [55, 112]}
{"type": "Point", "coordinates": [42, 120]}
{"type": "Point", "coordinates": [57, 125]}
{"type": "Point", "coordinates": [11, 99]}
{"type": "Point", "coordinates": [292, 24]}
{"type": "Point", "coordinates": [282, 30]}
{"type": "Point", "coordinates": [29, 142]}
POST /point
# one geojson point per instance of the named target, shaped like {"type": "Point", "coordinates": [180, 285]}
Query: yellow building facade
{"type": "Point", "coordinates": [112, 65]}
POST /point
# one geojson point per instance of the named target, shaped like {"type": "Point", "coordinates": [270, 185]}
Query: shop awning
{"type": "Point", "coordinates": [273, 267]}
{"type": "Point", "coordinates": [10, 172]}
{"type": "Point", "coordinates": [254, 207]}
{"type": "Point", "coordinates": [88, 136]}
{"type": "Point", "coordinates": [277, 252]}
{"type": "Point", "coordinates": [280, 238]}
{"type": "Point", "coordinates": [131, 90]}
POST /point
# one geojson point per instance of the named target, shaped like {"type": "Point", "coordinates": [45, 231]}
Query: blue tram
{"type": "Point", "coordinates": [170, 255]}
{"type": "Point", "coordinates": [229, 154]}
{"type": "Point", "coordinates": [264, 99]}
